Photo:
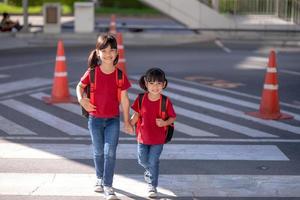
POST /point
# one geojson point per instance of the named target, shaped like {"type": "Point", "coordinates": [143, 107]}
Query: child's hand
{"type": "Point", "coordinates": [160, 122]}
{"type": "Point", "coordinates": [86, 104]}
{"type": "Point", "coordinates": [128, 128]}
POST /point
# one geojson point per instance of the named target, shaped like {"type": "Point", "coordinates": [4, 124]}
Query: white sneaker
{"type": "Point", "coordinates": [147, 177]}
{"type": "Point", "coordinates": [109, 193]}
{"type": "Point", "coordinates": [152, 192]}
{"type": "Point", "coordinates": [98, 186]}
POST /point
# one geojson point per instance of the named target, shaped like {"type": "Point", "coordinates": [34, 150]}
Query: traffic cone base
{"type": "Point", "coordinates": [53, 100]}
{"type": "Point", "coordinates": [276, 116]}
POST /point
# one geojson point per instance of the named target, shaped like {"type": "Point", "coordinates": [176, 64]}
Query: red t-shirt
{"type": "Point", "coordinates": [148, 132]}
{"type": "Point", "coordinates": [106, 92]}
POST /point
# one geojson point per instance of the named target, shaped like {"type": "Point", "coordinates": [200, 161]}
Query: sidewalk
{"type": "Point", "coordinates": [152, 31]}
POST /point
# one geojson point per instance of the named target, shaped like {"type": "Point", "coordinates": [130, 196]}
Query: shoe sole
{"type": "Point", "coordinates": [152, 195]}
{"type": "Point", "coordinates": [111, 198]}
{"type": "Point", "coordinates": [100, 189]}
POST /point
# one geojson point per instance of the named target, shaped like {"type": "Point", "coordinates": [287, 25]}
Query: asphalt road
{"type": "Point", "coordinates": [218, 151]}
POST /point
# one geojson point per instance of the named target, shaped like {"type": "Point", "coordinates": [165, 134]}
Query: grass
{"type": "Point", "coordinates": [127, 11]}
{"type": "Point", "coordinates": [31, 10]}
{"type": "Point", "coordinates": [67, 10]}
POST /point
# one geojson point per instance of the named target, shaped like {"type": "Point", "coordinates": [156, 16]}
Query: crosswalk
{"type": "Point", "coordinates": [211, 126]}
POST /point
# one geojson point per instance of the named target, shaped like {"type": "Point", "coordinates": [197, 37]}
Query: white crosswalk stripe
{"type": "Point", "coordinates": [23, 84]}
{"type": "Point", "coordinates": [128, 151]}
{"type": "Point", "coordinates": [222, 98]}
{"type": "Point", "coordinates": [219, 122]}
{"type": "Point", "coordinates": [231, 92]}
{"type": "Point", "coordinates": [180, 127]}
{"type": "Point", "coordinates": [60, 184]}
{"type": "Point", "coordinates": [12, 128]}
{"type": "Point", "coordinates": [45, 117]}
{"type": "Point", "coordinates": [228, 111]}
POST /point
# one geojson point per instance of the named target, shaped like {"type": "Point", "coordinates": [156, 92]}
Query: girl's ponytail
{"type": "Point", "coordinates": [142, 83]}
{"type": "Point", "coordinates": [93, 59]}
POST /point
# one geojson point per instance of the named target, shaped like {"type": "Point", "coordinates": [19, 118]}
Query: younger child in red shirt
{"type": "Point", "coordinates": [150, 128]}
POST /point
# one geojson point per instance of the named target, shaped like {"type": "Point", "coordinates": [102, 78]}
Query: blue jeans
{"type": "Point", "coordinates": [148, 157]}
{"type": "Point", "coordinates": [105, 136]}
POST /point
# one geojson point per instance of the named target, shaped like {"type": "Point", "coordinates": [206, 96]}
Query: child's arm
{"type": "Point", "coordinates": [134, 118]}
{"type": "Point", "coordinates": [83, 101]}
{"type": "Point", "coordinates": [161, 123]}
{"type": "Point", "coordinates": [125, 107]}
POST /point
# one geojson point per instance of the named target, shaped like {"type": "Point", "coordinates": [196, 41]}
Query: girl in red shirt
{"type": "Point", "coordinates": [103, 108]}
{"type": "Point", "coordinates": [150, 128]}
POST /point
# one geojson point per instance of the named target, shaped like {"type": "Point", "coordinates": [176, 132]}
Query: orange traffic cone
{"type": "Point", "coordinates": [112, 25]}
{"type": "Point", "coordinates": [269, 106]}
{"type": "Point", "coordinates": [60, 89]}
{"type": "Point", "coordinates": [122, 61]}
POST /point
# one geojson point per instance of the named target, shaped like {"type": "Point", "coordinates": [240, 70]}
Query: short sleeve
{"type": "Point", "coordinates": [170, 109]}
{"type": "Point", "coordinates": [135, 105]}
{"type": "Point", "coordinates": [85, 79]}
{"type": "Point", "coordinates": [126, 84]}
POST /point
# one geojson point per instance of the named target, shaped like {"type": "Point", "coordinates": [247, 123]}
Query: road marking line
{"type": "Point", "coordinates": [70, 107]}
{"type": "Point", "coordinates": [180, 127]}
{"type": "Point", "coordinates": [35, 64]}
{"type": "Point", "coordinates": [222, 90]}
{"type": "Point", "coordinates": [130, 139]}
{"type": "Point", "coordinates": [11, 128]}
{"type": "Point", "coordinates": [30, 91]}
{"type": "Point", "coordinates": [290, 72]}
{"type": "Point", "coordinates": [211, 120]}
{"type": "Point", "coordinates": [230, 111]}
{"type": "Point", "coordinates": [222, 123]}
{"type": "Point", "coordinates": [4, 75]}
{"type": "Point", "coordinates": [221, 45]}
{"type": "Point", "coordinates": [172, 185]}
{"type": "Point", "coordinates": [222, 98]}
{"type": "Point", "coordinates": [235, 113]}
{"type": "Point", "coordinates": [24, 65]}
{"type": "Point", "coordinates": [23, 84]}
{"type": "Point", "coordinates": [128, 151]}
{"type": "Point", "coordinates": [46, 118]}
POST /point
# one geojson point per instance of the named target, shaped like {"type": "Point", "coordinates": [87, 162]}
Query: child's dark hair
{"type": "Point", "coordinates": [103, 42]}
{"type": "Point", "coordinates": [152, 75]}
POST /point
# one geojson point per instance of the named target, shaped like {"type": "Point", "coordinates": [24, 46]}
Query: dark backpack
{"type": "Point", "coordinates": [169, 130]}
{"type": "Point", "coordinates": [87, 89]}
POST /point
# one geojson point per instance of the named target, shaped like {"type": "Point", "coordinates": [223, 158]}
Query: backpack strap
{"type": "Point", "coordinates": [163, 107]}
{"type": "Point", "coordinates": [92, 75]}
{"type": "Point", "coordinates": [120, 82]}
{"type": "Point", "coordinates": [92, 87]}
{"type": "Point", "coordinates": [140, 103]}
{"type": "Point", "coordinates": [141, 98]}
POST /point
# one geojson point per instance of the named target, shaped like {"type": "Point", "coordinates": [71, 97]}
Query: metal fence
{"type": "Point", "coordinates": [288, 10]}
{"type": "Point", "coordinates": [242, 7]}
{"type": "Point", "coordinates": [296, 11]}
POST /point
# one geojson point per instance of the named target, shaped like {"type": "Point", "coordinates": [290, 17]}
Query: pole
{"type": "Point", "coordinates": [25, 15]}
